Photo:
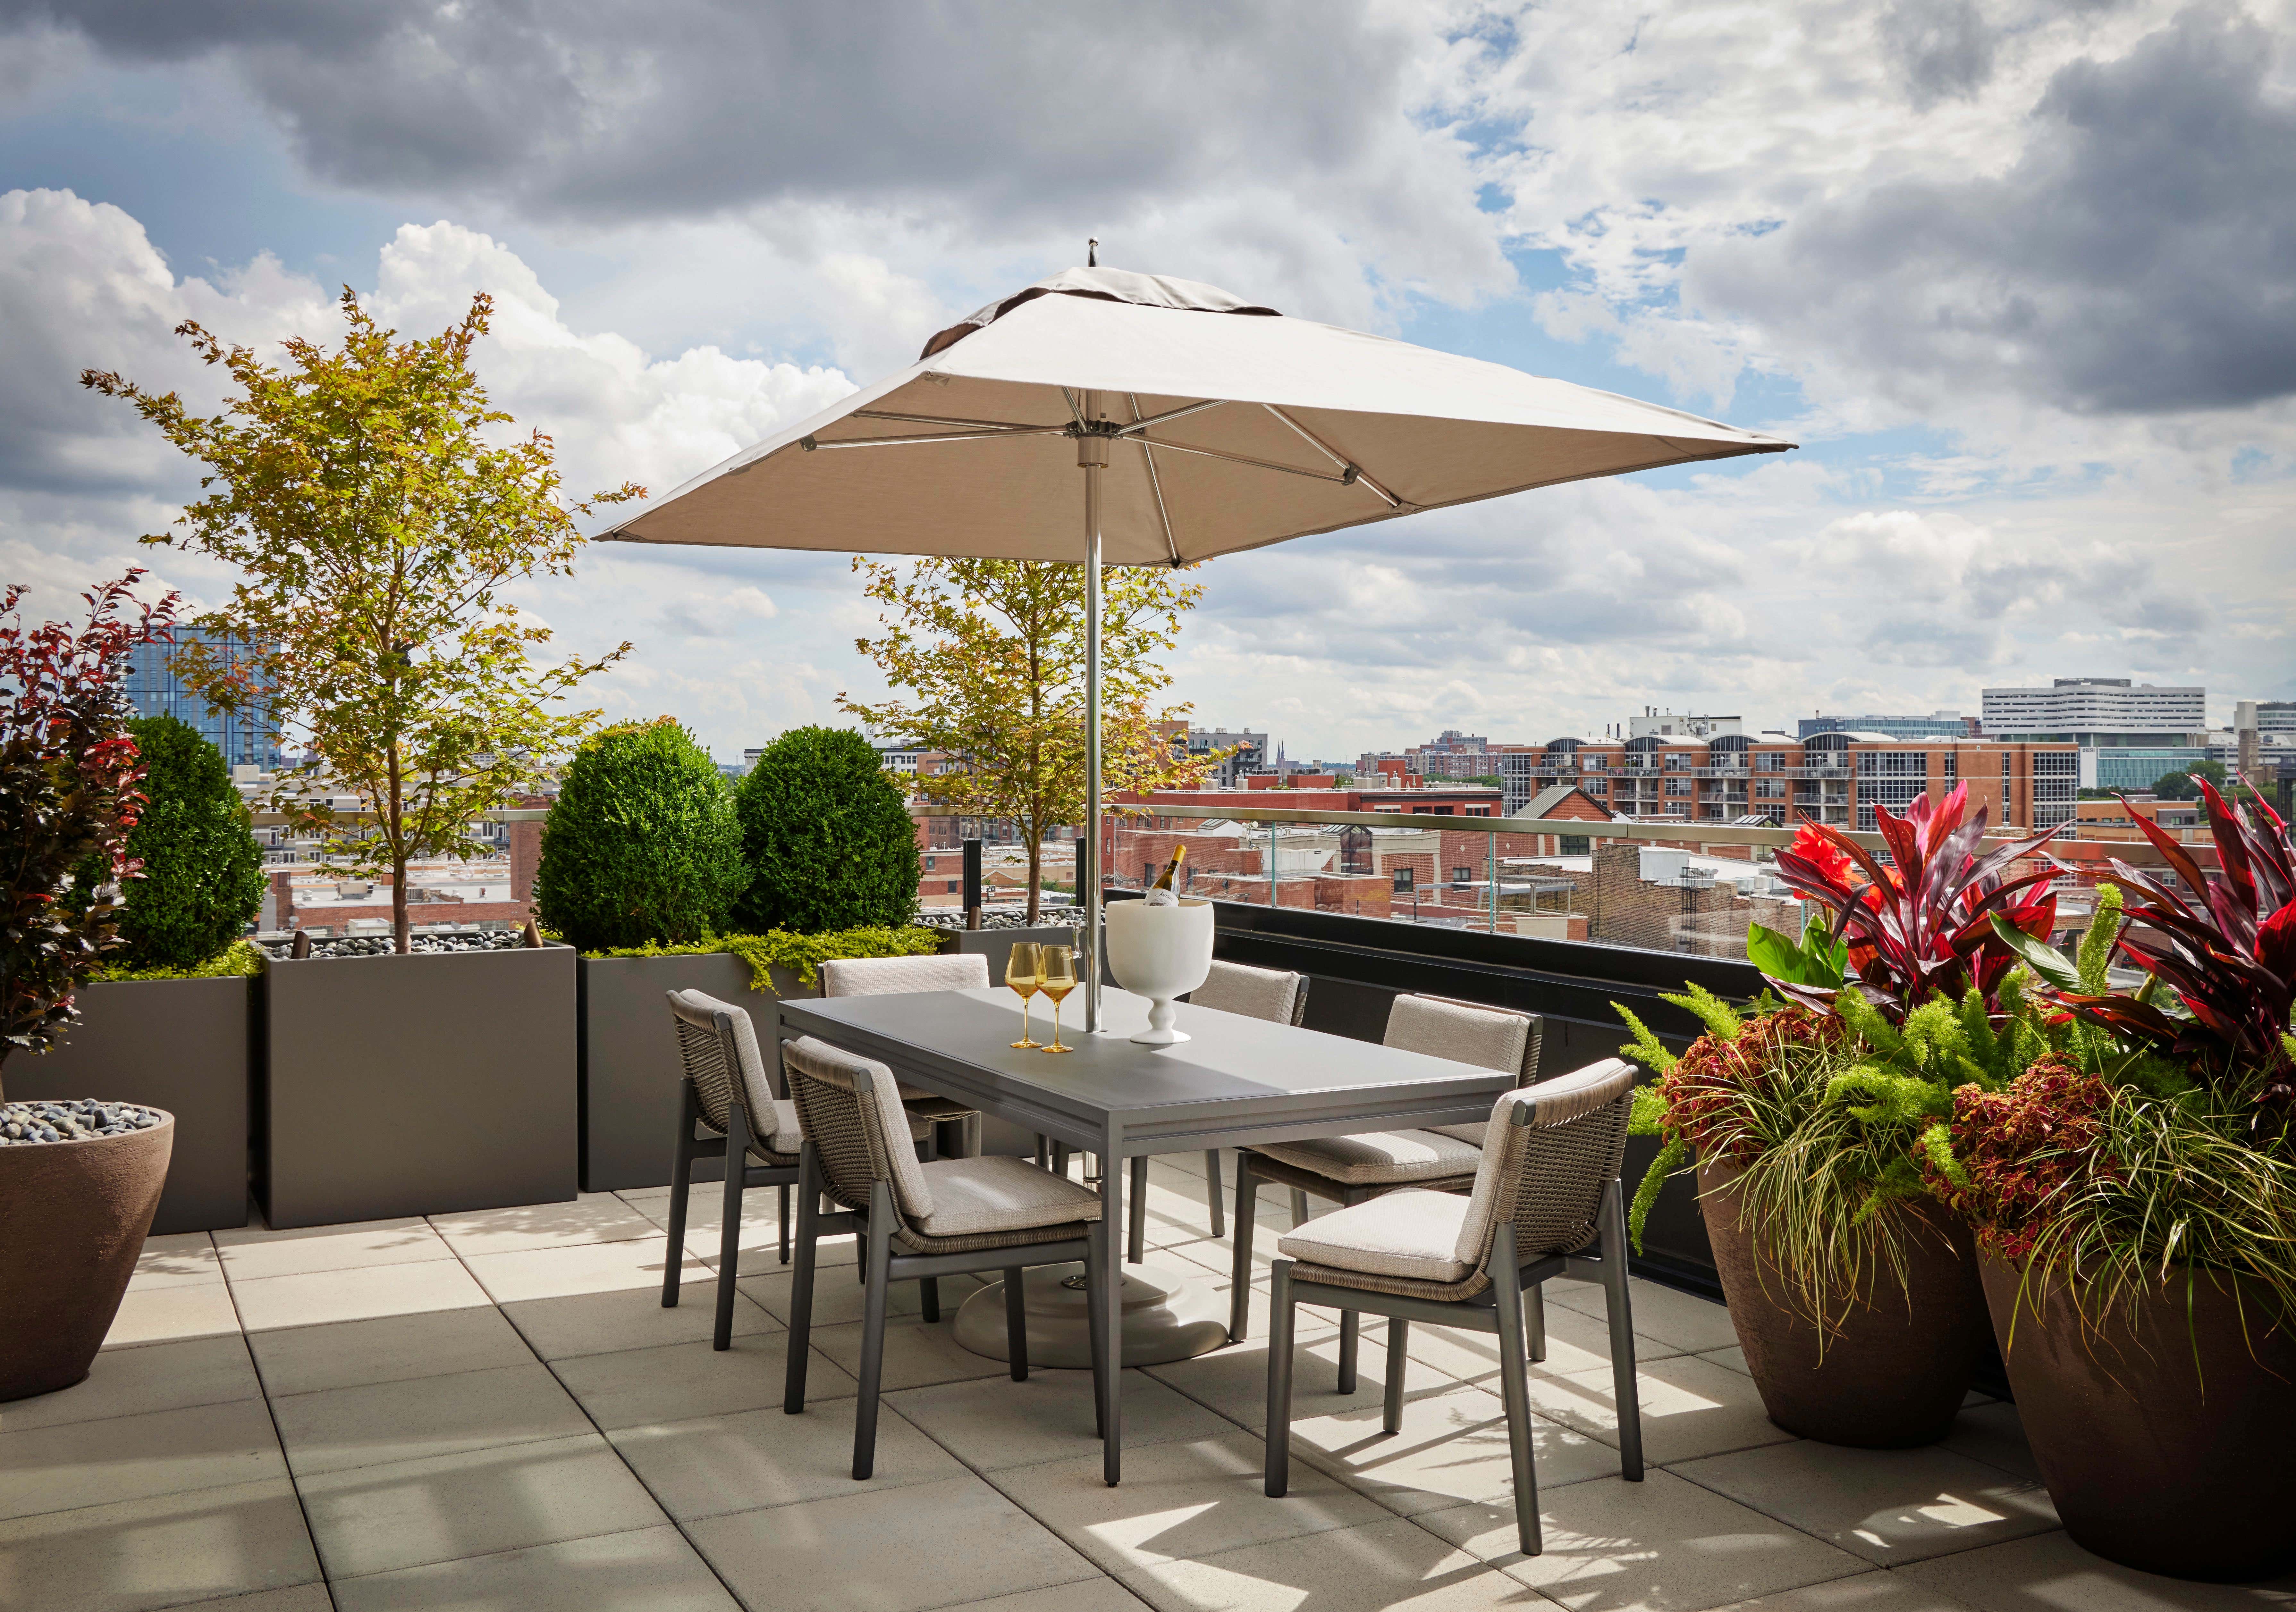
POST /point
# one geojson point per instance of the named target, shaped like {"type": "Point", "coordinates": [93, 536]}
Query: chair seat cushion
{"type": "Point", "coordinates": [998, 1193]}
{"type": "Point", "coordinates": [1409, 1234]}
{"type": "Point", "coordinates": [1473, 1134]}
{"type": "Point", "coordinates": [1380, 1157]}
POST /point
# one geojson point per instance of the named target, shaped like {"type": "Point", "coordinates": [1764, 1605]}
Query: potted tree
{"type": "Point", "coordinates": [79, 1179]}
{"type": "Point", "coordinates": [645, 870]}
{"type": "Point", "coordinates": [376, 516]}
{"type": "Point", "coordinates": [1854, 1292]}
{"type": "Point", "coordinates": [2135, 1192]}
{"type": "Point", "coordinates": [163, 1019]}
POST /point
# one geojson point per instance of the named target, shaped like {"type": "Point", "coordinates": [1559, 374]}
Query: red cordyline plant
{"type": "Point", "coordinates": [68, 778]}
{"type": "Point", "coordinates": [2228, 952]}
{"type": "Point", "coordinates": [1920, 931]}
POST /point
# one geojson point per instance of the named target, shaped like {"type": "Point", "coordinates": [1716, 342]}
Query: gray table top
{"type": "Point", "coordinates": [1238, 1080]}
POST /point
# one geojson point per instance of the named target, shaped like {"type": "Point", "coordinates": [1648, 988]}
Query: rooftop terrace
{"type": "Point", "coordinates": [492, 1413]}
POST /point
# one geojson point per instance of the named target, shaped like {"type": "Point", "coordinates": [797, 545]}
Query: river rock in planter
{"type": "Point", "coordinates": [2167, 1445]}
{"type": "Point", "coordinates": [76, 1213]}
{"type": "Point", "coordinates": [1894, 1373]}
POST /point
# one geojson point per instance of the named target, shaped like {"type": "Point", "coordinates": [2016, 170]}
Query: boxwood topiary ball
{"type": "Point", "coordinates": [829, 837]}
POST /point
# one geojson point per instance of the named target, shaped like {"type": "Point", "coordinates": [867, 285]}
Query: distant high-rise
{"type": "Point", "coordinates": [1937, 725]}
{"type": "Point", "coordinates": [245, 736]}
{"type": "Point", "coordinates": [2129, 734]}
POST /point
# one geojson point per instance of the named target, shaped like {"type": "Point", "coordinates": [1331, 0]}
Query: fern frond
{"type": "Point", "coordinates": [2096, 943]}
{"type": "Point", "coordinates": [1722, 1020]}
{"type": "Point", "coordinates": [1936, 1144]}
{"type": "Point", "coordinates": [1644, 1048]}
{"type": "Point", "coordinates": [1670, 1159]}
{"type": "Point", "coordinates": [1648, 1116]}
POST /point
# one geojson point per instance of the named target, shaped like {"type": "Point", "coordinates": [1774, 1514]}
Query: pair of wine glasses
{"type": "Point", "coordinates": [1050, 968]}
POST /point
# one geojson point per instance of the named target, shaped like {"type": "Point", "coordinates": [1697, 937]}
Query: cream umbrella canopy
{"type": "Point", "coordinates": [1203, 425]}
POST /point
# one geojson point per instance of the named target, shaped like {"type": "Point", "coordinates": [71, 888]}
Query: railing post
{"type": "Point", "coordinates": [1493, 876]}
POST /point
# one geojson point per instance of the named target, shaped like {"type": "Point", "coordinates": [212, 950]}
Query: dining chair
{"type": "Point", "coordinates": [1545, 1202]}
{"type": "Point", "coordinates": [1349, 1169]}
{"type": "Point", "coordinates": [918, 1218]}
{"type": "Point", "coordinates": [942, 971]}
{"type": "Point", "coordinates": [727, 1108]}
{"type": "Point", "coordinates": [1275, 994]}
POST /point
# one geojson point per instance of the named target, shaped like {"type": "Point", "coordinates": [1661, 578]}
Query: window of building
{"type": "Point", "coordinates": [1677, 786]}
{"type": "Point", "coordinates": [953, 885]}
{"type": "Point", "coordinates": [1461, 875]}
{"type": "Point", "coordinates": [1577, 845]}
{"type": "Point", "coordinates": [1404, 881]}
{"type": "Point", "coordinates": [1677, 764]}
{"type": "Point", "coordinates": [1769, 788]}
{"type": "Point", "coordinates": [1770, 761]}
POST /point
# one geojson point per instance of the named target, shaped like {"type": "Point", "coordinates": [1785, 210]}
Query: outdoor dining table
{"type": "Point", "coordinates": [1237, 1081]}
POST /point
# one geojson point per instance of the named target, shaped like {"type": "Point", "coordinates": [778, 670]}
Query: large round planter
{"type": "Point", "coordinates": [2167, 1434]}
{"type": "Point", "coordinates": [76, 1214]}
{"type": "Point", "coordinates": [1894, 1373]}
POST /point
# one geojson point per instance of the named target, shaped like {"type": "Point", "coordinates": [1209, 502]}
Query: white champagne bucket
{"type": "Point", "coordinates": [1160, 952]}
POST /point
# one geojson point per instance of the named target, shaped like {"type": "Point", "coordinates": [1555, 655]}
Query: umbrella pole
{"type": "Point", "coordinates": [1092, 455]}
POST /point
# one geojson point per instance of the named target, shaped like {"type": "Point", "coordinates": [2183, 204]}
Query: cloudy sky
{"type": "Point", "coordinates": [2019, 276]}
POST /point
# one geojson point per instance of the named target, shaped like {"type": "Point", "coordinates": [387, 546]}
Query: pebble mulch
{"type": "Point", "coordinates": [82, 1119]}
{"type": "Point", "coordinates": [379, 945]}
{"type": "Point", "coordinates": [1001, 917]}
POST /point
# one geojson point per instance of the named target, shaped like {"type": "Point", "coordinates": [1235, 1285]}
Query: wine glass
{"type": "Point", "coordinates": [1057, 980]}
{"type": "Point", "coordinates": [1023, 972]}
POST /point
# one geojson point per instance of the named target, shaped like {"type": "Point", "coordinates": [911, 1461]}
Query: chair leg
{"type": "Point", "coordinates": [1059, 1158]}
{"type": "Point", "coordinates": [1016, 1323]}
{"type": "Point", "coordinates": [1398, 1343]}
{"type": "Point", "coordinates": [1137, 1213]}
{"type": "Point", "coordinates": [800, 1319]}
{"type": "Point", "coordinates": [1279, 1382]}
{"type": "Point", "coordinates": [1534, 1319]}
{"type": "Point", "coordinates": [1212, 1192]}
{"type": "Point", "coordinates": [1619, 1308]}
{"type": "Point", "coordinates": [1247, 1215]}
{"type": "Point", "coordinates": [729, 1229]}
{"type": "Point", "coordinates": [785, 1223]}
{"type": "Point", "coordinates": [1044, 1151]}
{"type": "Point", "coordinates": [872, 1330]}
{"type": "Point", "coordinates": [928, 1297]}
{"type": "Point", "coordinates": [681, 1177]}
{"type": "Point", "coordinates": [1298, 1207]}
{"type": "Point", "coordinates": [1514, 1384]}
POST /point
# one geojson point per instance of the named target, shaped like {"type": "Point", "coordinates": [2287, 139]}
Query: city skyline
{"type": "Point", "coordinates": [2103, 488]}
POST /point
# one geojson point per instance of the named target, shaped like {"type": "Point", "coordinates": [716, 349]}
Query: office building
{"type": "Point", "coordinates": [2094, 711]}
{"type": "Point", "coordinates": [1652, 722]}
{"type": "Point", "coordinates": [245, 736]}
{"type": "Point", "coordinates": [1248, 752]}
{"type": "Point", "coordinates": [1937, 725]}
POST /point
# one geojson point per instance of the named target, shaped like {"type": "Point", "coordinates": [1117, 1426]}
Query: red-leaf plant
{"type": "Point", "coordinates": [68, 778]}
{"type": "Point", "coordinates": [1922, 929]}
{"type": "Point", "coordinates": [2230, 952]}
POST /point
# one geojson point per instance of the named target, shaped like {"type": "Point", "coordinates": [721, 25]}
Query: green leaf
{"type": "Point", "coordinates": [1670, 1159]}
{"type": "Point", "coordinates": [2053, 966]}
{"type": "Point", "coordinates": [1776, 956]}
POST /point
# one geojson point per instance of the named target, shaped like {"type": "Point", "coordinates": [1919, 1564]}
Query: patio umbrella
{"type": "Point", "coordinates": [1203, 424]}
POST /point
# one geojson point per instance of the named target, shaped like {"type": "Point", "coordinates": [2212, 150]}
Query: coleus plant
{"type": "Point", "coordinates": [1918, 930]}
{"type": "Point", "coordinates": [2227, 953]}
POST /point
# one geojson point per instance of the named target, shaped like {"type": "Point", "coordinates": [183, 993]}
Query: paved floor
{"type": "Point", "coordinates": [492, 1413]}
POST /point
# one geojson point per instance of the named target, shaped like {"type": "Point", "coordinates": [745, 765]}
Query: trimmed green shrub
{"type": "Point", "coordinates": [202, 882]}
{"type": "Point", "coordinates": [802, 955]}
{"type": "Point", "coordinates": [829, 837]}
{"type": "Point", "coordinates": [643, 847]}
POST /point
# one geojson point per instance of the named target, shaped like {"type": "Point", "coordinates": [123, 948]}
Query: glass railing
{"type": "Point", "coordinates": [1687, 887]}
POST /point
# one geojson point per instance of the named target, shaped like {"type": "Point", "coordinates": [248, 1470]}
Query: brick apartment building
{"type": "Point", "coordinates": [1836, 778]}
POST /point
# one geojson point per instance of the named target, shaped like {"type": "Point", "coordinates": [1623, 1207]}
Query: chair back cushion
{"type": "Point", "coordinates": [883, 976]}
{"type": "Point", "coordinates": [1494, 1038]}
{"type": "Point", "coordinates": [718, 1046]}
{"type": "Point", "coordinates": [1269, 993]}
{"type": "Point", "coordinates": [1551, 1149]}
{"type": "Point", "coordinates": [852, 1112]}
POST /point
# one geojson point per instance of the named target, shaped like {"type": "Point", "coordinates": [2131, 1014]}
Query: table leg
{"type": "Point", "coordinates": [1138, 1234]}
{"type": "Point", "coordinates": [1112, 1299]}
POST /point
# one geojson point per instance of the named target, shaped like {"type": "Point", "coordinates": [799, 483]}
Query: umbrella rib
{"type": "Point", "coordinates": [1156, 482]}
{"type": "Point", "coordinates": [984, 425]}
{"type": "Point", "coordinates": [1265, 464]}
{"type": "Point", "coordinates": [1345, 467]}
{"type": "Point", "coordinates": [810, 444]}
{"type": "Point", "coordinates": [1137, 426]}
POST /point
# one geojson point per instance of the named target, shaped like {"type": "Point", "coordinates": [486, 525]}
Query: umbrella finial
{"type": "Point", "coordinates": [1092, 254]}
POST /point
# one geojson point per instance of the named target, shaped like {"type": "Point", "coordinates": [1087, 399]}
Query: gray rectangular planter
{"type": "Point", "coordinates": [630, 1067]}
{"type": "Point", "coordinates": [178, 1044]}
{"type": "Point", "coordinates": [426, 1084]}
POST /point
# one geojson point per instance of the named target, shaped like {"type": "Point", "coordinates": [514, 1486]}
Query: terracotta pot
{"type": "Point", "coordinates": [1895, 1372]}
{"type": "Point", "coordinates": [75, 1215]}
{"type": "Point", "coordinates": [2167, 1437]}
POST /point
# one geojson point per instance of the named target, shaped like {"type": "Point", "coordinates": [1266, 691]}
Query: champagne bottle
{"type": "Point", "coordinates": [1171, 868]}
